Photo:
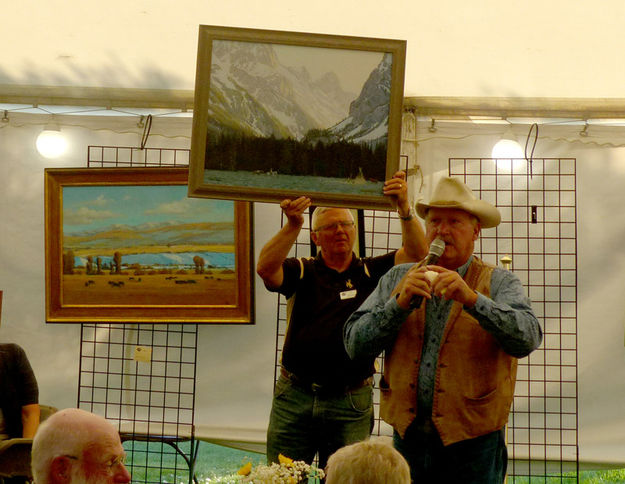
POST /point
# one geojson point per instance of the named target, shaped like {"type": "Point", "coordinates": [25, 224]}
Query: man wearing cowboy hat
{"type": "Point", "coordinates": [450, 363]}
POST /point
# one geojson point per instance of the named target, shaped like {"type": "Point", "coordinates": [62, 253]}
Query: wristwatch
{"type": "Point", "coordinates": [410, 215]}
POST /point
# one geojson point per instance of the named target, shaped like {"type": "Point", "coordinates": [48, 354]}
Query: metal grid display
{"type": "Point", "coordinates": [538, 231]}
{"type": "Point", "coordinates": [127, 156]}
{"type": "Point", "coordinates": [142, 376]}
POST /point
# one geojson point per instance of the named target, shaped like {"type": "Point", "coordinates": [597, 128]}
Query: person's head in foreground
{"type": "Point", "coordinates": [74, 446]}
{"type": "Point", "coordinates": [373, 461]}
{"type": "Point", "coordinates": [456, 216]}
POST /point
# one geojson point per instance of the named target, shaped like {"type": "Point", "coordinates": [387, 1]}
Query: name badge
{"type": "Point", "coordinates": [348, 294]}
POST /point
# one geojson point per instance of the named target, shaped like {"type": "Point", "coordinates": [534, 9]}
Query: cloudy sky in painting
{"type": "Point", "coordinates": [98, 207]}
{"type": "Point", "coordinates": [351, 66]}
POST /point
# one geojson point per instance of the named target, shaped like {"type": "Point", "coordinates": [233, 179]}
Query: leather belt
{"type": "Point", "coordinates": [328, 389]}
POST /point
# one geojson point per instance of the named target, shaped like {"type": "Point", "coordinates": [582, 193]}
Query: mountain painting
{"type": "Point", "coordinates": [132, 246]}
{"type": "Point", "coordinates": [283, 118]}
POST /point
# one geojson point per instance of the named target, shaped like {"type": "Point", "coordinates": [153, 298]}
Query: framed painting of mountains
{"type": "Point", "coordinates": [282, 114]}
{"type": "Point", "coordinates": [129, 245]}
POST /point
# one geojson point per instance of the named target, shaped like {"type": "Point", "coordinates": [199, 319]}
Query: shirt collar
{"type": "Point", "coordinates": [462, 270]}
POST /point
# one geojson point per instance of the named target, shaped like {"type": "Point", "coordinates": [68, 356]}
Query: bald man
{"type": "Point", "coordinates": [74, 446]}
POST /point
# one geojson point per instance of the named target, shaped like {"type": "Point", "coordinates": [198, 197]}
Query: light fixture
{"type": "Point", "coordinates": [507, 147]}
{"type": "Point", "coordinates": [51, 143]}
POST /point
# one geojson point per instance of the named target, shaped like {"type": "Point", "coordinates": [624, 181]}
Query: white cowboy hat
{"type": "Point", "coordinates": [452, 193]}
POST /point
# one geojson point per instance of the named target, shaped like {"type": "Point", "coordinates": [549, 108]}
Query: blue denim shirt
{"type": "Point", "coordinates": [507, 315]}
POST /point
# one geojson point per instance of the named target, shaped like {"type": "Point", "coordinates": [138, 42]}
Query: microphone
{"type": "Point", "coordinates": [437, 247]}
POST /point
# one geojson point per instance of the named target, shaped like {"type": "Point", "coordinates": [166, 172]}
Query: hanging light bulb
{"type": "Point", "coordinates": [51, 143]}
{"type": "Point", "coordinates": [508, 146]}
{"type": "Point", "coordinates": [506, 150]}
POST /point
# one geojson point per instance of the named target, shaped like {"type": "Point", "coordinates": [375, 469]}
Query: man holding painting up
{"type": "Point", "coordinates": [323, 399]}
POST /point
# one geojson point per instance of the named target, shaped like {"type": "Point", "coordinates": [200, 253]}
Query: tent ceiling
{"type": "Point", "coordinates": [533, 58]}
{"type": "Point", "coordinates": [97, 96]}
{"type": "Point", "coordinates": [505, 108]}
{"type": "Point", "coordinates": [455, 48]}
{"type": "Point", "coordinates": [439, 107]}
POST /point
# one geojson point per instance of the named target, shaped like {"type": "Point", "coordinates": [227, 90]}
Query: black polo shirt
{"type": "Point", "coordinates": [18, 387]}
{"type": "Point", "coordinates": [321, 300]}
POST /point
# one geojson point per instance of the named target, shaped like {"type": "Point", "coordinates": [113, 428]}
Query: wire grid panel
{"type": "Point", "coordinates": [538, 231]}
{"type": "Point", "coordinates": [142, 378]}
{"type": "Point", "coordinates": [382, 234]}
{"type": "Point", "coordinates": [126, 156]}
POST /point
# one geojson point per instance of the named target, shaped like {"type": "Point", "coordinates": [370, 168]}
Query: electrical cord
{"type": "Point", "coordinates": [146, 131]}
{"type": "Point", "coordinates": [531, 156]}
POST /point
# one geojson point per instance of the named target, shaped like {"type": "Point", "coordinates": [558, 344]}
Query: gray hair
{"type": "Point", "coordinates": [320, 211]}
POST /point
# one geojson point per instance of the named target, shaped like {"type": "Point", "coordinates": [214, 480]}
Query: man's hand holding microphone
{"type": "Point", "coordinates": [426, 279]}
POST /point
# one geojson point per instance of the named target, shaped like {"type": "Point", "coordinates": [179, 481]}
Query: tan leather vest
{"type": "Point", "coordinates": [475, 378]}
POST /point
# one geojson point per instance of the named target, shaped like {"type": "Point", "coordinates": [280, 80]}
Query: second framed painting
{"type": "Point", "coordinates": [280, 114]}
{"type": "Point", "coordinates": [128, 245]}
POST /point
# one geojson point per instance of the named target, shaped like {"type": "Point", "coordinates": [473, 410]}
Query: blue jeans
{"type": "Point", "coordinates": [482, 460]}
{"type": "Point", "coordinates": [304, 423]}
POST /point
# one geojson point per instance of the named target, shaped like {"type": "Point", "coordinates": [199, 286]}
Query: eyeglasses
{"type": "Point", "coordinates": [345, 224]}
{"type": "Point", "coordinates": [109, 464]}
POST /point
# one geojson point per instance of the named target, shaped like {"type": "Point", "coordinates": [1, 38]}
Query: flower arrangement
{"type": "Point", "coordinates": [287, 471]}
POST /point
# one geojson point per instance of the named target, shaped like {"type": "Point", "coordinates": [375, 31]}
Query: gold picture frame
{"type": "Point", "coordinates": [280, 114]}
{"type": "Point", "coordinates": [128, 245]}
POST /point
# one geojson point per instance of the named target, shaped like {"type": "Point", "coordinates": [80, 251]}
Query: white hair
{"type": "Point", "coordinates": [320, 211]}
{"type": "Point", "coordinates": [373, 461]}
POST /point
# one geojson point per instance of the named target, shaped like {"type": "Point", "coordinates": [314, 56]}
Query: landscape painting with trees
{"type": "Point", "coordinates": [124, 246]}
{"type": "Point", "coordinates": [281, 114]}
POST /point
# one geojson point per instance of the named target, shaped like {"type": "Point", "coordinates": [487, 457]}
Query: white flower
{"type": "Point", "coordinates": [285, 473]}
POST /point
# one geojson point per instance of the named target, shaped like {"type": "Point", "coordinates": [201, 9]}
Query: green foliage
{"type": "Point", "coordinates": [314, 156]}
{"type": "Point", "coordinates": [612, 476]}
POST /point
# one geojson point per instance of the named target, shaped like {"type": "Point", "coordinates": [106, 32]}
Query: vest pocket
{"type": "Point", "coordinates": [488, 412]}
{"type": "Point", "coordinates": [481, 400]}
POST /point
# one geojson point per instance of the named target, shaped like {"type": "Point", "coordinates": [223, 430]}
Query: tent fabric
{"type": "Point", "coordinates": [235, 364]}
{"type": "Point", "coordinates": [531, 49]}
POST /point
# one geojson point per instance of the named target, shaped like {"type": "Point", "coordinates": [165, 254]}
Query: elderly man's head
{"type": "Point", "coordinates": [77, 447]}
{"type": "Point", "coordinates": [333, 230]}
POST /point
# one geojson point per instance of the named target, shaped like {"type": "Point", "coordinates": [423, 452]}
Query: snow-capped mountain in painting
{"type": "Point", "coordinates": [253, 93]}
{"type": "Point", "coordinates": [368, 114]}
